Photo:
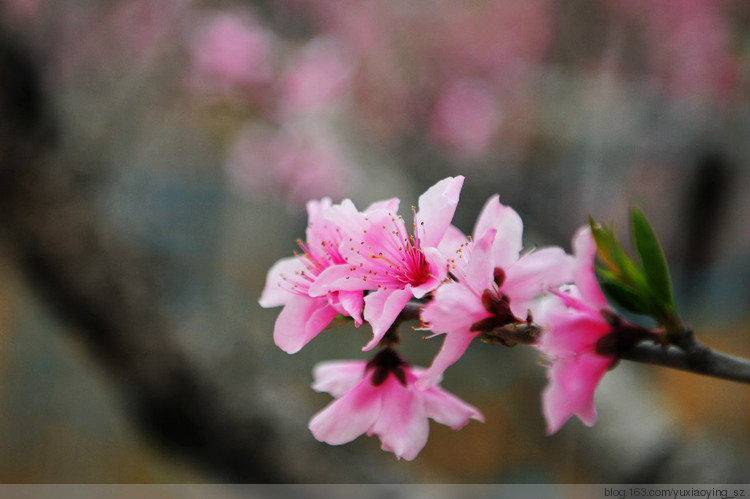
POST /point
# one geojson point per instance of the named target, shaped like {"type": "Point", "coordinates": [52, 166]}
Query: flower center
{"type": "Point", "coordinates": [384, 363]}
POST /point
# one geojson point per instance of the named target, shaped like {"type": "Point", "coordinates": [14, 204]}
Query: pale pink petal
{"type": "Point", "coordinates": [277, 291]}
{"type": "Point", "coordinates": [533, 274]}
{"type": "Point", "coordinates": [571, 390]}
{"type": "Point", "coordinates": [452, 247]}
{"type": "Point", "coordinates": [349, 416]}
{"type": "Point", "coordinates": [509, 239]}
{"type": "Point", "coordinates": [301, 320]}
{"type": "Point", "coordinates": [338, 377]}
{"type": "Point", "coordinates": [584, 248]}
{"type": "Point", "coordinates": [352, 303]}
{"type": "Point", "coordinates": [436, 209]}
{"type": "Point", "coordinates": [402, 425]}
{"type": "Point", "coordinates": [454, 307]}
{"type": "Point", "coordinates": [447, 409]}
{"type": "Point", "coordinates": [381, 309]}
{"type": "Point", "coordinates": [338, 278]}
{"type": "Point", "coordinates": [454, 346]}
{"type": "Point", "coordinates": [480, 270]}
{"type": "Point", "coordinates": [387, 205]}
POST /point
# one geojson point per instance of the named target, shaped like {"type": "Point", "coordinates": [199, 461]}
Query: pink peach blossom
{"type": "Point", "coordinates": [495, 285]}
{"type": "Point", "coordinates": [574, 323]}
{"type": "Point", "coordinates": [288, 284]}
{"type": "Point", "coordinates": [381, 398]}
{"type": "Point", "coordinates": [384, 258]}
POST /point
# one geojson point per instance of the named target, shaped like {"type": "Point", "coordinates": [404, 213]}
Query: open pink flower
{"type": "Point", "coordinates": [574, 323]}
{"type": "Point", "coordinates": [496, 285]}
{"type": "Point", "coordinates": [289, 280]}
{"type": "Point", "coordinates": [383, 257]}
{"type": "Point", "coordinates": [380, 398]}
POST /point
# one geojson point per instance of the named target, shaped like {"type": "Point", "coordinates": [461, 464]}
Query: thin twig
{"type": "Point", "coordinates": [701, 360]}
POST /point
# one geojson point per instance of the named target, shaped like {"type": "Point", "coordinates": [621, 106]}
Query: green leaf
{"type": "Point", "coordinates": [625, 297]}
{"type": "Point", "coordinates": [652, 259]}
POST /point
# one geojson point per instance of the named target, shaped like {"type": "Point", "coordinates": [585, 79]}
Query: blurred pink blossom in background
{"type": "Point", "coordinates": [231, 51]}
{"type": "Point", "coordinates": [466, 117]}
{"type": "Point", "coordinates": [316, 77]}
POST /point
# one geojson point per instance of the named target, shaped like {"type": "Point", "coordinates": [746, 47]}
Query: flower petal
{"type": "Point", "coordinates": [454, 346]}
{"type": "Point", "coordinates": [509, 240]}
{"type": "Point", "coordinates": [349, 416]}
{"type": "Point", "coordinates": [301, 320]}
{"type": "Point", "coordinates": [277, 291]}
{"type": "Point", "coordinates": [338, 377]}
{"type": "Point", "coordinates": [402, 424]}
{"type": "Point", "coordinates": [436, 209]}
{"type": "Point", "coordinates": [381, 309]}
{"type": "Point", "coordinates": [339, 278]}
{"type": "Point", "coordinates": [533, 274]}
{"type": "Point", "coordinates": [584, 248]}
{"type": "Point", "coordinates": [571, 390]}
{"type": "Point", "coordinates": [445, 408]}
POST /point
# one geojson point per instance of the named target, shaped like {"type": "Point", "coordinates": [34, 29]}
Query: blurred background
{"type": "Point", "coordinates": [155, 158]}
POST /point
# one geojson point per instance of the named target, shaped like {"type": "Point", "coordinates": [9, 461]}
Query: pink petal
{"type": "Point", "coordinates": [352, 303]}
{"type": "Point", "coordinates": [387, 205]}
{"type": "Point", "coordinates": [509, 240]}
{"type": "Point", "coordinates": [348, 417]}
{"type": "Point", "coordinates": [480, 269]}
{"type": "Point", "coordinates": [338, 377]}
{"type": "Point", "coordinates": [584, 247]}
{"type": "Point", "coordinates": [533, 274]}
{"type": "Point", "coordinates": [454, 346]}
{"type": "Point", "coordinates": [453, 241]}
{"type": "Point", "coordinates": [571, 390]}
{"type": "Point", "coordinates": [301, 320]}
{"type": "Point", "coordinates": [569, 332]}
{"type": "Point", "coordinates": [381, 309]}
{"type": "Point", "coordinates": [277, 292]}
{"type": "Point", "coordinates": [436, 209]}
{"type": "Point", "coordinates": [454, 308]}
{"type": "Point", "coordinates": [448, 409]}
{"type": "Point", "coordinates": [402, 424]}
{"type": "Point", "coordinates": [339, 278]}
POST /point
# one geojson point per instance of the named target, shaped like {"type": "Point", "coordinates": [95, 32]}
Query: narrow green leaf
{"type": "Point", "coordinates": [652, 259]}
{"type": "Point", "coordinates": [625, 297]}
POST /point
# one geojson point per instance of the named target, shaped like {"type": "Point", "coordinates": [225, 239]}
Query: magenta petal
{"type": "Point", "coordinates": [338, 377]}
{"type": "Point", "coordinates": [448, 409]}
{"type": "Point", "coordinates": [584, 248]}
{"type": "Point", "coordinates": [454, 346]}
{"type": "Point", "coordinates": [571, 390]}
{"type": "Point", "coordinates": [381, 309]}
{"type": "Point", "coordinates": [301, 320]}
{"type": "Point", "coordinates": [402, 425]}
{"type": "Point", "coordinates": [436, 209]}
{"type": "Point", "coordinates": [509, 240]}
{"type": "Point", "coordinates": [348, 417]}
